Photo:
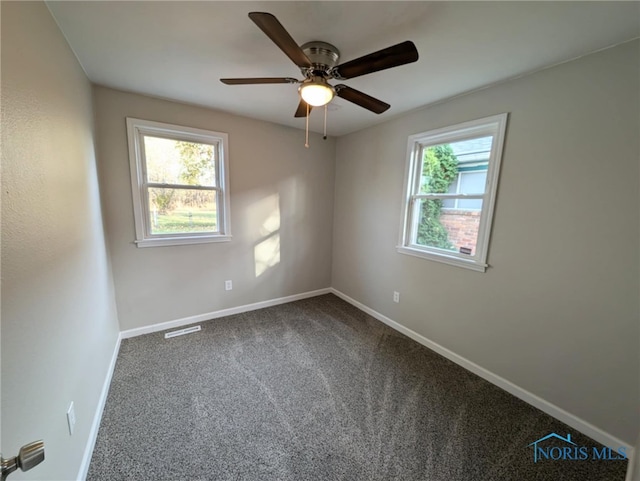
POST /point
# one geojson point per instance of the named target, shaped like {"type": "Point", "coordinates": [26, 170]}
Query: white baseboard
{"type": "Point", "coordinates": [97, 417]}
{"type": "Point", "coordinates": [630, 467]}
{"type": "Point", "coordinates": [221, 313]}
{"type": "Point", "coordinates": [575, 422]}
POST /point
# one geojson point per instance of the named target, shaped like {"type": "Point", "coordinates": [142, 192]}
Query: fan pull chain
{"type": "Point", "coordinates": [325, 122]}
{"type": "Point", "coordinates": [306, 139]}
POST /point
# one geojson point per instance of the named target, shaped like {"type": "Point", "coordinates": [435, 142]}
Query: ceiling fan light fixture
{"type": "Point", "coordinates": [317, 92]}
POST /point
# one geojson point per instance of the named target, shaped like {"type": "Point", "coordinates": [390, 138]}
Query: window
{"type": "Point", "coordinates": [179, 181]}
{"type": "Point", "coordinates": [473, 161]}
{"type": "Point", "coordinates": [450, 187]}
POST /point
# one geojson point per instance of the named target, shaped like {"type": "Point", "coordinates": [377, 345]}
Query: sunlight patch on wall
{"type": "Point", "coordinates": [267, 254]}
{"type": "Point", "coordinates": [266, 214]}
{"type": "Point", "coordinates": [272, 224]}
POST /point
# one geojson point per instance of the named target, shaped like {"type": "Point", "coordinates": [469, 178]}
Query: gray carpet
{"type": "Point", "coordinates": [315, 390]}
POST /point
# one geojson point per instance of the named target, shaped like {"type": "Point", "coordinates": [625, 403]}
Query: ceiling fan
{"type": "Point", "coordinates": [318, 63]}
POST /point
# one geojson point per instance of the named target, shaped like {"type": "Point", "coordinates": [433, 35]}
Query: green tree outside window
{"type": "Point", "coordinates": [439, 170]}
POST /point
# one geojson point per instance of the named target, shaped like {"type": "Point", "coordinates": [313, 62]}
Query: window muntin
{"type": "Point", "coordinates": [179, 184]}
{"type": "Point", "coordinates": [451, 181]}
{"type": "Point", "coordinates": [466, 182]}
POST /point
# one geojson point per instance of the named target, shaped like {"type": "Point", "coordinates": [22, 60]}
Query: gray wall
{"type": "Point", "coordinates": [59, 325]}
{"type": "Point", "coordinates": [557, 311]}
{"type": "Point", "coordinates": [281, 205]}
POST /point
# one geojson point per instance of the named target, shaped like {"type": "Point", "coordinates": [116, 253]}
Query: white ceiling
{"type": "Point", "coordinates": [180, 50]}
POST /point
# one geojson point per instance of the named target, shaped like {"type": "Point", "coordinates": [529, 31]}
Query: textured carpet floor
{"type": "Point", "coordinates": [316, 390]}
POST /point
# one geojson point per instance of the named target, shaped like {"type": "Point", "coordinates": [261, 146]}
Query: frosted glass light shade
{"type": "Point", "coordinates": [316, 94]}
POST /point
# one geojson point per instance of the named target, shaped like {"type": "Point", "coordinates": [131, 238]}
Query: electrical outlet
{"type": "Point", "coordinates": [396, 296]}
{"type": "Point", "coordinates": [71, 418]}
{"type": "Point", "coordinates": [228, 285]}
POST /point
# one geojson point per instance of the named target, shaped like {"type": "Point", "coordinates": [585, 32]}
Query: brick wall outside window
{"type": "Point", "coordinates": [462, 226]}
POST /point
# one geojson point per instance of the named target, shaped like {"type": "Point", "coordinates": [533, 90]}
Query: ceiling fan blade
{"type": "Point", "coordinates": [363, 100]}
{"type": "Point", "coordinates": [277, 33]}
{"type": "Point", "coordinates": [394, 56]}
{"type": "Point", "coordinates": [301, 111]}
{"type": "Point", "coordinates": [258, 80]}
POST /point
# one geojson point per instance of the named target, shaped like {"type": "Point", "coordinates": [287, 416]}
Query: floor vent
{"type": "Point", "coordinates": [182, 332]}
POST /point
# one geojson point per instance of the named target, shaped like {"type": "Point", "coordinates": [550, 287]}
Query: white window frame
{"type": "Point", "coordinates": [495, 126]}
{"type": "Point", "coordinates": [136, 130]}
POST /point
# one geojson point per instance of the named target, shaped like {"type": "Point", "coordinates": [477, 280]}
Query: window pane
{"type": "Point", "coordinates": [473, 150]}
{"type": "Point", "coordinates": [175, 211]}
{"type": "Point", "coordinates": [449, 203]}
{"type": "Point", "coordinates": [472, 183]}
{"type": "Point", "coordinates": [452, 230]}
{"type": "Point", "coordinates": [179, 162]}
{"type": "Point", "coordinates": [442, 163]}
{"type": "Point", "coordinates": [439, 169]}
{"type": "Point", "coordinates": [469, 204]}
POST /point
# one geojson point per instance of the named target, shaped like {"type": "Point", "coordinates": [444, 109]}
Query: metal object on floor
{"type": "Point", "coordinates": [30, 455]}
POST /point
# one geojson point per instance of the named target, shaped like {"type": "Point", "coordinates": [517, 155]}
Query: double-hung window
{"type": "Point", "coordinates": [179, 181]}
{"type": "Point", "coordinates": [451, 180]}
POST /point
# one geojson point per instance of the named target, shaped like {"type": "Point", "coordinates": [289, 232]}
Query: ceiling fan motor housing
{"type": "Point", "coordinates": [322, 55]}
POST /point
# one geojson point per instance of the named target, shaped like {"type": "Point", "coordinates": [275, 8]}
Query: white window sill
{"type": "Point", "coordinates": [176, 241]}
{"type": "Point", "coordinates": [451, 260]}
